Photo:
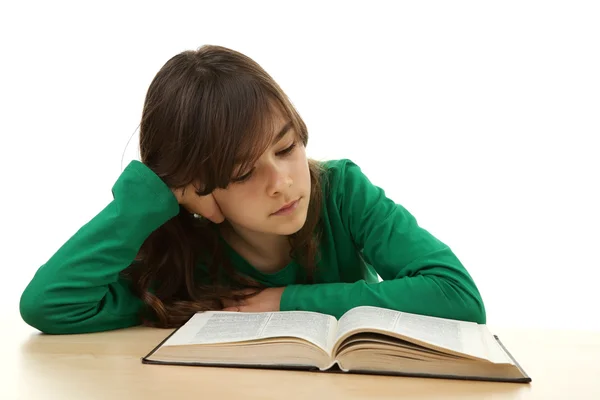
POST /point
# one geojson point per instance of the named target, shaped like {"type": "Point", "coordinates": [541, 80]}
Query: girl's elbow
{"type": "Point", "coordinates": [466, 302]}
{"type": "Point", "coordinates": [472, 306]}
{"type": "Point", "coordinates": [33, 314]}
{"type": "Point", "coordinates": [475, 312]}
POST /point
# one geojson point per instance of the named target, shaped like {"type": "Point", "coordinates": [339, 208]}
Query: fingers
{"type": "Point", "coordinates": [237, 305]}
{"type": "Point", "coordinates": [206, 206]}
{"type": "Point", "coordinates": [227, 303]}
{"type": "Point", "coordinates": [210, 209]}
{"type": "Point", "coordinates": [244, 292]}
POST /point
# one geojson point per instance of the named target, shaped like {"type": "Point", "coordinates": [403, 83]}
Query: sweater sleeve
{"type": "Point", "coordinates": [79, 289]}
{"type": "Point", "coordinates": [420, 274]}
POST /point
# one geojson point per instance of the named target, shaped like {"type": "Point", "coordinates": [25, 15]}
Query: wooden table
{"type": "Point", "coordinates": [563, 365]}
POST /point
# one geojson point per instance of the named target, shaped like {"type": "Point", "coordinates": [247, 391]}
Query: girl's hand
{"type": "Point", "coordinates": [266, 300]}
{"type": "Point", "coordinates": [205, 206]}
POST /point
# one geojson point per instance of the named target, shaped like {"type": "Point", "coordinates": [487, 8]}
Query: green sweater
{"type": "Point", "coordinates": [79, 289]}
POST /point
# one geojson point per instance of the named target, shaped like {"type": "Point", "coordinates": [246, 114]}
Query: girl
{"type": "Point", "coordinates": [226, 212]}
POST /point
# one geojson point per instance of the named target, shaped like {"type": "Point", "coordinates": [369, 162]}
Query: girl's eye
{"type": "Point", "coordinates": [244, 177]}
{"type": "Point", "coordinates": [247, 176]}
{"type": "Point", "coordinates": [288, 150]}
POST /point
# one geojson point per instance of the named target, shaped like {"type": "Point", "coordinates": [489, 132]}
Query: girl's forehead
{"type": "Point", "coordinates": [273, 130]}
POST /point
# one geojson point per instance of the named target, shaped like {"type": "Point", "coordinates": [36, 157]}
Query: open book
{"type": "Point", "coordinates": [364, 340]}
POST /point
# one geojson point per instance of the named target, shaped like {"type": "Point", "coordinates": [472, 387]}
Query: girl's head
{"type": "Point", "coordinates": [279, 176]}
{"type": "Point", "coordinates": [215, 118]}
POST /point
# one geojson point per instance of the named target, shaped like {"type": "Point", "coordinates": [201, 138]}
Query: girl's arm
{"type": "Point", "coordinates": [421, 274]}
{"type": "Point", "coordinates": [79, 289]}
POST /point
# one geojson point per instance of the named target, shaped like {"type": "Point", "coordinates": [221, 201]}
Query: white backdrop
{"type": "Point", "coordinates": [482, 119]}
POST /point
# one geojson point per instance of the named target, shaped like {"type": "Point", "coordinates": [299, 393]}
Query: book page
{"type": "Point", "coordinates": [367, 317]}
{"type": "Point", "coordinates": [314, 327]}
{"type": "Point", "coordinates": [227, 327]}
{"type": "Point", "coordinates": [461, 336]}
{"type": "Point", "coordinates": [437, 331]}
{"type": "Point", "coordinates": [495, 352]}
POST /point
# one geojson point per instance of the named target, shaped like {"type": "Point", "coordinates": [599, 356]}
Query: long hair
{"type": "Point", "coordinates": [205, 110]}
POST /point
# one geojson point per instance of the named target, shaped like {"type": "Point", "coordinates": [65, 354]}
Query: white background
{"type": "Point", "coordinates": [481, 118]}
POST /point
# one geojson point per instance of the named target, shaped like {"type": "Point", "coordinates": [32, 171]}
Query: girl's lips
{"type": "Point", "coordinates": [287, 209]}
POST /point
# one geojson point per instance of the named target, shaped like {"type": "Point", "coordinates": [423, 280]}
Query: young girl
{"type": "Point", "coordinates": [226, 212]}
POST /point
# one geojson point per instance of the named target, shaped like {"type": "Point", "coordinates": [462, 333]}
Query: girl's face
{"type": "Point", "coordinates": [279, 177]}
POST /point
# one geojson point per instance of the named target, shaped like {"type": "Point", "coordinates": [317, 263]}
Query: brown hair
{"type": "Point", "coordinates": [205, 110]}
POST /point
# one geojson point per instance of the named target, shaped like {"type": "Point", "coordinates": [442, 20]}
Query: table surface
{"type": "Point", "coordinates": [562, 364]}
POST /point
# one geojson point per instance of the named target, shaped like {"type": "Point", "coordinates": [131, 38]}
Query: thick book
{"type": "Point", "coordinates": [368, 340]}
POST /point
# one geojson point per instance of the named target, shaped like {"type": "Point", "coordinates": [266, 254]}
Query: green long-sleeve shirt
{"type": "Point", "coordinates": [79, 288]}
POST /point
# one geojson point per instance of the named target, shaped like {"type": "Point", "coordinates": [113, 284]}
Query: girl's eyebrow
{"type": "Point", "coordinates": [282, 132]}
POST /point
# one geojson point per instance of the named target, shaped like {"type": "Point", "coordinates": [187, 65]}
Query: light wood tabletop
{"type": "Point", "coordinates": [562, 364]}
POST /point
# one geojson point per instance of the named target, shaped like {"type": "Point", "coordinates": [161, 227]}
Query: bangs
{"type": "Point", "coordinates": [242, 115]}
{"type": "Point", "coordinates": [253, 142]}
